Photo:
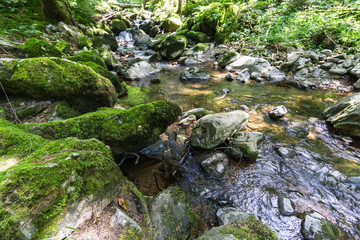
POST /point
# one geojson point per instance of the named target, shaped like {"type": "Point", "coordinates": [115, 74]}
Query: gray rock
{"type": "Point", "coordinates": [139, 70]}
{"type": "Point", "coordinates": [154, 31]}
{"type": "Point", "coordinates": [327, 65]}
{"type": "Point", "coordinates": [8, 47]}
{"type": "Point", "coordinates": [338, 70]}
{"type": "Point", "coordinates": [341, 56]}
{"type": "Point", "coordinates": [216, 234]}
{"type": "Point", "coordinates": [357, 85]}
{"type": "Point", "coordinates": [244, 145]}
{"type": "Point", "coordinates": [190, 62]}
{"type": "Point", "coordinates": [171, 215]}
{"type": "Point", "coordinates": [121, 220]}
{"type": "Point", "coordinates": [356, 71]}
{"type": "Point", "coordinates": [257, 65]}
{"type": "Point", "coordinates": [171, 24]}
{"type": "Point", "coordinates": [213, 129]}
{"type": "Point", "coordinates": [357, 56]}
{"type": "Point", "coordinates": [142, 40]}
{"type": "Point", "coordinates": [312, 55]}
{"type": "Point", "coordinates": [345, 115]}
{"type": "Point", "coordinates": [194, 74]}
{"type": "Point", "coordinates": [347, 64]}
{"type": "Point", "coordinates": [277, 112]}
{"type": "Point", "coordinates": [302, 74]}
{"type": "Point", "coordinates": [216, 164]}
{"type": "Point", "coordinates": [284, 152]}
{"type": "Point", "coordinates": [227, 215]}
{"type": "Point", "coordinates": [333, 60]}
{"type": "Point", "coordinates": [327, 52]}
{"type": "Point", "coordinates": [243, 76]}
{"type": "Point", "coordinates": [198, 112]}
{"type": "Point", "coordinates": [172, 47]}
{"type": "Point", "coordinates": [315, 226]}
{"type": "Point", "coordinates": [286, 206]}
{"type": "Point", "coordinates": [229, 77]}
{"type": "Point", "coordinates": [49, 29]}
{"type": "Point", "coordinates": [293, 57]}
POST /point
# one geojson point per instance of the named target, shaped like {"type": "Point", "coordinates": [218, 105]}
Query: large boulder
{"type": "Point", "coordinates": [52, 187]}
{"type": "Point", "coordinates": [356, 71]}
{"type": "Point", "coordinates": [88, 56]}
{"type": "Point", "coordinates": [212, 130]}
{"type": "Point", "coordinates": [345, 114]}
{"type": "Point", "coordinates": [257, 65]}
{"type": "Point", "coordinates": [317, 227]}
{"type": "Point", "coordinates": [57, 79]}
{"type": "Point", "coordinates": [171, 215]}
{"type": "Point", "coordinates": [117, 26]}
{"type": "Point", "coordinates": [139, 70]}
{"type": "Point", "coordinates": [172, 24]}
{"type": "Point", "coordinates": [173, 46]}
{"type": "Point", "coordinates": [122, 130]}
{"type": "Point", "coordinates": [216, 164]}
{"type": "Point", "coordinates": [105, 40]}
{"type": "Point", "coordinates": [226, 57]}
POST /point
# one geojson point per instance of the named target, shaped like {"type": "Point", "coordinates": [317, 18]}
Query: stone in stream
{"type": "Point", "coordinates": [250, 228]}
{"type": "Point", "coordinates": [212, 130]}
{"type": "Point", "coordinates": [226, 57]}
{"type": "Point", "coordinates": [198, 112]}
{"type": "Point", "coordinates": [244, 145]}
{"type": "Point", "coordinates": [317, 227]}
{"type": "Point", "coordinates": [257, 65]}
{"type": "Point", "coordinates": [142, 40]}
{"type": "Point", "coordinates": [286, 206]}
{"type": "Point", "coordinates": [73, 35]}
{"type": "Point", "coordinates": [345, 114]}
{"type": "Point", "coordinates": [277, 112]}
{"type": "Point", "coordinates": [229, 77]}
{"type": "Point", "coordinates": [284, 152]}
{"type": "Point", "coordinates": [139, 70]}
{"type": "Point", "coordinates": [194, 74]}
{"type": "Point", "coordinates": [172, 46]}
{"type": "Point", "coordinates": [216, 164]}
{"type": "Point", "coordinates": [171, 215]}
{"type": "Point", "coordinates": [171, 24]}
{"type": "Point", "coordinates": [227, 215]}
{"type": "Point", "coordinates": [117, 26]}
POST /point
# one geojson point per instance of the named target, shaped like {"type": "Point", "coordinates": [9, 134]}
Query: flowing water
{"type": "Point", "coordinates": [314, 173]}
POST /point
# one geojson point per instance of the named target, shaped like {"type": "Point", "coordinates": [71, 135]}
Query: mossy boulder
{"type": "Point", "coordinates": [200, 47]}
{"type": "Point", "coordinates": [58, 79]}
{"type": "Point", "coordinates": [171, 24]}
{"type": "Point", "coordinates": [41, 48]}
{"type": "Point", "coordinates": [171, 215]}
{"type": "Point", "coordinates": [108, 57]}
{"type": "Point", "coordinates": [172, 46]}
{"type": "Point", "coordinates": [107, 40]}
{"type": "Point", "coordinates": [135, 96]}
{"type": "Point", "coordinates": [197, 37]}
{"type": "Point", "coordinates": [250, 228]}
{"type": "Point", "coordinates": [74, 36]}
{"type": "Point", "coordinates": [317, 227]}
{"type": "Point", "coordinates": [2, 113]}
{"type": "Point", "coordinates": [88, 56]}
{"type": "Point", "coordinates": [226, 57]}
{"type": "Point", "coordinates": [58, 10]}
{"type": "Point", "coordinates": [122, 130]}
{"type": "Point", "coordinates": [117, 26]}
{"type": "Point", "coordinates": [64, 47]}
{"type": "Point", "coordinates": [56, 185]}
{"type": "Point", "coordinates": [63, 111]}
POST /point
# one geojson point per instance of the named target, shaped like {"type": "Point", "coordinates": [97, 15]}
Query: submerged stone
{"type": "Point", "coordinates": [139, 70]}
{"type": "Point", "coordinates": [277, 112]}
{"type": "Point", "coordinates": [212, 130]}
{"type": "Point", "coordinates": [286, 206]}
{"type": "Point", "coordinates": [216, 164]}
{"type": "Point", "coordinates": [227, 215]}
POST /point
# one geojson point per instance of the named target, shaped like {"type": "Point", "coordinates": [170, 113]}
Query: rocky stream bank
{"type": "Point", "coordinates": [136, 128]}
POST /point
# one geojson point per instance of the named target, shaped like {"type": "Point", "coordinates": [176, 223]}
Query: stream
{"type": "Point", "coordinates": [300, 157]}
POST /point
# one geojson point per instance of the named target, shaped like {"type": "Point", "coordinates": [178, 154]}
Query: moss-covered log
{"type": "Point", "coordinates": [122, 130]}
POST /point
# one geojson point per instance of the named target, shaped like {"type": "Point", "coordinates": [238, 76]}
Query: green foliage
{"type": "Point", "coordinates": [41, 48]}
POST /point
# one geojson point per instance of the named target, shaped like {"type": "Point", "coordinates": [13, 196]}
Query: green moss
{"type": "Point", "coordinates": [57, 79]}
{"type": "Point", "coordinates": [108, 57]}
{"type": "Point", "coordinates": [41, 48]}
{"type": "Point", "coordinates": [226, 57]}
{"type": "Point", "coordinates": [64, 111]}
{"type": "Point", "coordinates": [250, 229]}
{"type": "Point", "coordinates": [199, 47]}
{"type": "Point", "coordinates": [329, 231]}
{"type": "Point", "coordinates": [122, 130]}
{"type": "Point", "coordinates": [135, 96]}
{"type": "Point", "coordinates": [107, 74]}
{"type": "Point", "coordinates": [105, 39]}
{"type": "Point", "coordinates": [117, 26]}
{"type": "Point", "coordinates": [172, 46]}
{"type": "Point", "coordinates": [64, 47]}
{"type": "Point", "coordinates": [88, 56]}
{"type": "Point", "coordinates": [2, 113]}
{"type": "Point", "coordinates": [43, 184]}
{"type": "Point", "coordinates": [15, 142]}
{"type": "Point", "coordinates": [197, 37]}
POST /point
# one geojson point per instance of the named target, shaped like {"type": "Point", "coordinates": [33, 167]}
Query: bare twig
{"type": "Point", "coordinates": [11, 106]}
